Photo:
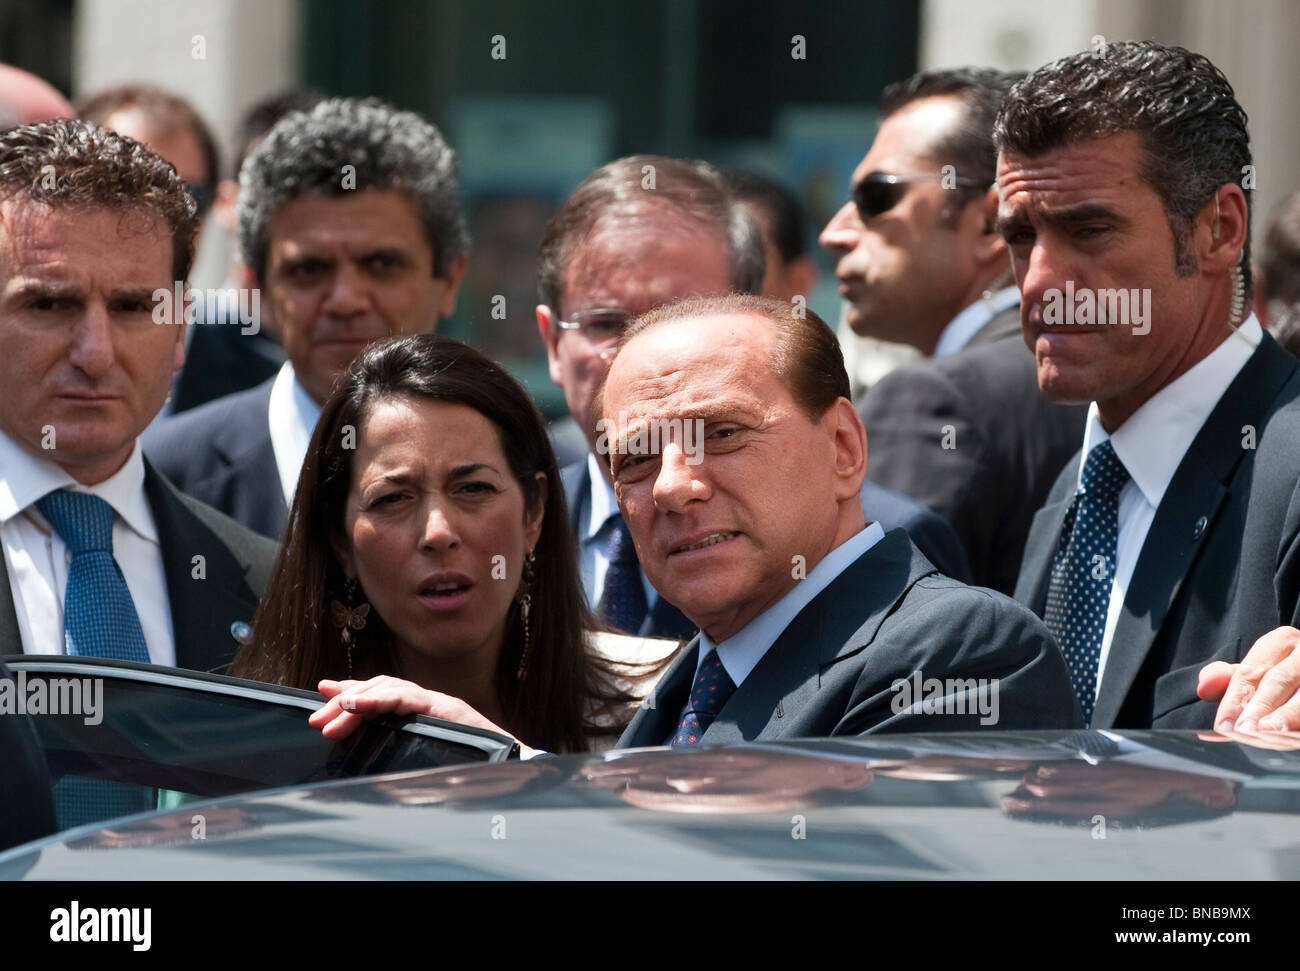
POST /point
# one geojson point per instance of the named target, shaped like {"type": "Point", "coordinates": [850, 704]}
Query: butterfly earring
{"type": "Point", "coordinates": [349, 617]}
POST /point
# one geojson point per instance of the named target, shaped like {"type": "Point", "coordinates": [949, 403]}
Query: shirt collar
{"type": "Point", "coordinates": [743, 650]}
{"type": "Point", "coordinates": [962, 328]}
{"type": "Point", "coordinates": [1153, 441]}
{"type": "Point", "coordinates": [28, 478]}
{"type": "Point", "coordinates": [292, 417]}
{"type": "Point", "coordinates": [603, 501]}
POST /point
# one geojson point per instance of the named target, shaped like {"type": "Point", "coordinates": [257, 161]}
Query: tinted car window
{"type": "Point", "coordinates": [162, 737]}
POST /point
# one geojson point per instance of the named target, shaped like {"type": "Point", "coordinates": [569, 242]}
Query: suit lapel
{"type": "Point", "coordinates": [657, 716]}
{"type": "Point", "coordinates": [203, 606]}
{"type": "Point", "coordinates": [838, 623]}
{"type": "Point", "coordinates": [1176, 536]}
{"type": "Point", "coordinates": [1044, 537]}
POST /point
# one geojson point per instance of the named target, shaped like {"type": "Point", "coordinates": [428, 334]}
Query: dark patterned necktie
{"type": "Point", "coordinates": [712, 687]}
{"type": "Point", "coordinates": [623, 602]}
{"type": "Point", "coordinates": [1078, 596]}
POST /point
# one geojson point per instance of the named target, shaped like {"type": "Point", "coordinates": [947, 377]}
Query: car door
{"type": "Point", "coordinates": [123, 738]}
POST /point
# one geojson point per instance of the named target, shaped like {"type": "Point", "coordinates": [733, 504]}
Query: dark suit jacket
{"type": "Point", "coordinates": [236, 565]}
{"type": "Point", "coordinates": [222, 360]}
{"type": "Point", "coordinates": [1008, 442]}
{"type": "Point", "coordinates": [220, 453]}
{"type": "Point", "coordinates": [889, 614]}
{"type": "Point", "coordinates": [930, 533]}
{"type": "Point", "coordinates": [28, 811]}
{"type": "Point", "coordinates": [1221, 563]}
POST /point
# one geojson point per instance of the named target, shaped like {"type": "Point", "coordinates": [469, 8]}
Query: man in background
{"type": "Point", "coordinates": [965, 431]}
{"type": "Point", "coordinates": [350, 221]}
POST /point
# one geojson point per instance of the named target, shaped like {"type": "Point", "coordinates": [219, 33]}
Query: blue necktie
{"type": "Point", "coordinates": [99, 618]}
{"type": "Point", "coordinates": [712, 687]}
{"type": "Point", "coordinates": [1078, 596]}
{"type": "Point", "coordinates": [623, 603]}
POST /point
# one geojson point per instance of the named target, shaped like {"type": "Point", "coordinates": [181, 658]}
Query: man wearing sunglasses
{"type": "Point", "coordinates": [640, 232]}
{"type": "Point", "coordinates": [966, 431]}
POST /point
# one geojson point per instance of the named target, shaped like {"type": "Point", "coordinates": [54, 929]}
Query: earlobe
{"type": "Point", "coordinates": [850, 448]}
{"type": "Point", "coordinates": [343, 555]}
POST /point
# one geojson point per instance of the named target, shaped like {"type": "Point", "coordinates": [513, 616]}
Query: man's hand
{"type": "Point", "coordinates": [1261, 693]}
{"type": "Point", "coordinates": [353, 702]}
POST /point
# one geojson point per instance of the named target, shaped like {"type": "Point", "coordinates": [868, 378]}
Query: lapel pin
{"type": "Point", "coordinates": [241, 632]}
{"type": "Point", "coordinates": [1199, 529]}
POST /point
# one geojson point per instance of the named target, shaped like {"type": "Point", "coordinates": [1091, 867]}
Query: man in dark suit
{"type": "Point", "coordinates": [965, 431]}
{"type": "Point", "coordinates": [102, 556]}
{"type": "Point", "coordinates": [350, 220]}
{"type": "Point", "coordinates": [812, 622]}
{"type": "Point", "coordinates": [738, 460]}
{"type": "Point", "coordinates": [614, 250]}
{"type": "Point", "coordinates": [1169, 542]}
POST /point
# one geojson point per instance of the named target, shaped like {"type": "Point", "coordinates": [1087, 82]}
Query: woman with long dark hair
{"type": "Point", "coordinates": [428, 541]}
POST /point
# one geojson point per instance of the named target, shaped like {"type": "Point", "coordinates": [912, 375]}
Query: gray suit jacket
{"type": "Point", "coordinates": [236, 567]}
{"type": "Point", "coordinates": [1221, 563]}
{"type": "Point", "coordinates": [888, 615]}
{"type": "Point", "coordinates": [1007, 443]}
{"type": "Point", "coordinates": [220, 453]}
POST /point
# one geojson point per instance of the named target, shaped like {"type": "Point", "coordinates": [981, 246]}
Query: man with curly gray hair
{"type": "Point", "coordinates": [351, 227]}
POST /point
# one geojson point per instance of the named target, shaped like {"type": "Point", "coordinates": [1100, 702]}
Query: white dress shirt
{"type": "Point", "coordinates": [291, 416]}
{"type": "Point", "coordinates": [962, 328]}
{"type": "Point", "coordinates": [594, 542]}
{"type": "Point", "coordinates": [1152, 443]}
{"type": "Point", "coordinates": [37, 557]}
{"type": "Point", "coordinates": [742, 651]}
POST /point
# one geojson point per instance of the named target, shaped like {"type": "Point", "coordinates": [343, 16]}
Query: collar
{"type": "Point", "coordinates": [970, 321]}
{"type": "Point", "coordinates": [603, 501]}
{"type": "Point", "coordinates": [291, 417]}
{"type": "Point", "coordinates": [27, 478]}
{"type": "Point", "coordinates": [1153, 441]}
{"type": "Point", "coordinates": [743, 650]}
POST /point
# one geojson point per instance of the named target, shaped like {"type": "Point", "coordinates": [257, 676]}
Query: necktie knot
{"type": "Point", "coordinates": [1104, 474]}
{"type": "Point", "coordinates": [84, 522]}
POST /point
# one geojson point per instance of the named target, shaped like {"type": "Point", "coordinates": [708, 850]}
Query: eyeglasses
{"type": "Point", "coordinates": [879, 192]}
{"type": "Point", "coordinates": [600, 326]}
{"type": "Point", "coordinates": [202, 194]}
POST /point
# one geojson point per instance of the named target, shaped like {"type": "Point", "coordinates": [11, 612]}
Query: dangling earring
{"type": "Point", "coordinates": [526, 608]}
{"type": "Point", "coordinates": [349, 618]}
{"type": "Point", "coordinates": [1237, 312]}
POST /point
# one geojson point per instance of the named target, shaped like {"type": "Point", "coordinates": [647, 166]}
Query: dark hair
{"type": "Point", "coordinates": [785, 212]}
{"type": "Point", "coordinates": [968, 147]}
{"type": "Point", "coordinates": [694, 189]}
{"type": "Point", "coordinates": [352, 144]}
{"type": "Point", "coordinates": [1192, 128]}
{"type": "Point", "coordinates": [261, 116]}
{"type": "Point", "coordinates": [74, 164]}
{"type": "Point", "coordinates": [808, 356]}
{"type": "Point", "coordinates": [1279, 273]}
{"type": "Point", "coordinates": [293, 640]}
{"type": "Point", "coordinates": [166, 114]}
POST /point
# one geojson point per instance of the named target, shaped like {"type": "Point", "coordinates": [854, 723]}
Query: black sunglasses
{"type": "Point", "coordinates": [879, 192]}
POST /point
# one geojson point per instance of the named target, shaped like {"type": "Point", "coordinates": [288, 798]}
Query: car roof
{"type": "Point", "coordinates": [989, 805]}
